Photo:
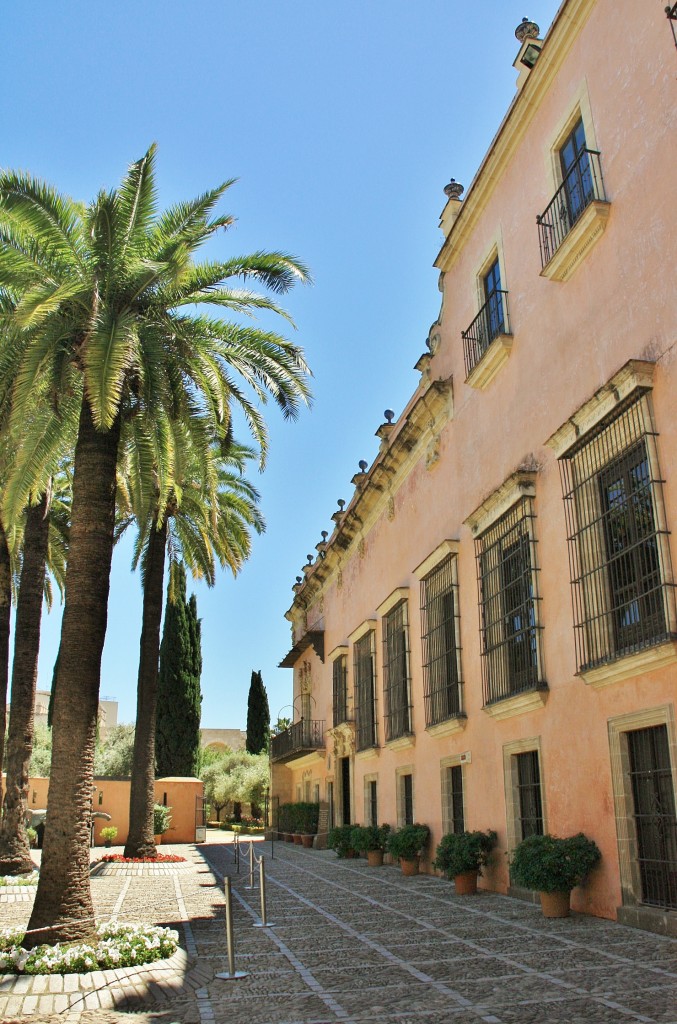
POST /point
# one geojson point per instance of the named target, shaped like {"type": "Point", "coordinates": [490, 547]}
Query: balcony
{"type": "Point", "coordinates": [574, 219]}
{"type": "Point", "coordinates": [301, 738]}
{"type": "Point", "coordinates": [487, 342]}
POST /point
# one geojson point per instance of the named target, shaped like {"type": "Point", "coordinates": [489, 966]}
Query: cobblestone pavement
{"type": "Point", "coordinates": [351, 944]}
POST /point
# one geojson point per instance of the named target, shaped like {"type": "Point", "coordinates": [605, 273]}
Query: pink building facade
{"type": "Point", "coordinates": [488, 637]}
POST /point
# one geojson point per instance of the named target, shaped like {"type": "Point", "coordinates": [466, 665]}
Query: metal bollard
{"type": "Point", "coordinates": [263, 923]}
{"type": "Point", "coordinates": [231, 974]}
{"type": "Point", "coordinates": [250, 883]}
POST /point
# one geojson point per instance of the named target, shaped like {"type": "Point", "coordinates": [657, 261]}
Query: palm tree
{"type": "Point", "coordinates": [43, 545]}
{"type": "Point", "coordinates": [107, 302]}
{"type": "Point", "coordinates": [206, 518]}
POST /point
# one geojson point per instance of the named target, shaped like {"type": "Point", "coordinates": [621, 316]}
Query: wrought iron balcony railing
{"type": "Point", "coordinates": [583, 185]}
{"type": "Point", "coordinates": [491, 321]}
{"type": "Point", "coordinates": [301, 738]}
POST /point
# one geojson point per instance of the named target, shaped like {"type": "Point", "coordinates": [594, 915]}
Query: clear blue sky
{"type": "Point", "coordinates": [343, 123]}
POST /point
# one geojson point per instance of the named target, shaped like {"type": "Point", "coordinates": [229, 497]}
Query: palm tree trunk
{"type": "Point", "coordinates": [63, 903]}
{"type": "Point", "coordinates": [140, 841]}
{"type": "Point", "coordinates": [5, 609]}
{"type": "Point", "coordinates": [15, 855]}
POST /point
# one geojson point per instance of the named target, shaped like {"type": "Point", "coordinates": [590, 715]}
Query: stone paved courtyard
{"type": "Point", "coordinates": [350, 944]}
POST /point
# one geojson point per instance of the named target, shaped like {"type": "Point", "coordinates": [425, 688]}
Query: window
{"type": "Point", "coordinates": [490, 322]}
{"type": "Point", "coordinates": [508, 605]}
{"type": "Point", "coordinates": [654, 813]}
{"type": "Point", "coordinates": [529, 787]}
{"type": "Point", "coordinates": [340, 681]}
{"type": "Point", "coordinates": [617, 545]}
{"type": "Point", "coordinates": [493, 301]}
{"type": "Point", "coordinates": [576, 173]}
{"type": "Point", "coordinates": [370, 801]}
{"type": "Point", "coordinates": [365, 692]}
{"type": "Point", "coordinates": [440, 630]}
{"type": "Point", "coordinates": [396, 672]}
{"type": "Point", "coordinates": [405, 792]}
{"type": "Point", "coordinates": [453, 819]}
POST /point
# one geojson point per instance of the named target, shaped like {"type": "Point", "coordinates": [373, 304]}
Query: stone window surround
{"type": "Point", "coordinates": [579, 108]}
{"type": "Point", "coordinates": [368, 779]}
{"type": "Point", "coordinates": [624, 809]}
{"type": "Point", "coordinates": [453, 761]}
{"type": "Point", "coordinates": [407, 769]}
{"type": "Point", "coordinates": [511, 782]}
{"type": "Point", "coordinates": [518, 486]}
{"type": "Point", "coordinates": [635, 374]}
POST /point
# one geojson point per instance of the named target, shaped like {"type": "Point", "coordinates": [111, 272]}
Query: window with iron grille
{"type": "Point", "coordinates": [529, 786]}
{"type": "Point", "coordinates": [441, 648]}
{"type": "Point", "coordinates": [655, 819]}
{"type": "Point", "coordinates": [396, 672]}
{"type": "Point", "coordinates": [618, 552]}
{"type": "Point", "coordinates": [365, 692]}
{"type": "Point", "coordinates": [406, 784]}
{"type": "Point", "coordinates": [509, 627]}
{"type": "Point", "coordinates": [340, 679]}
{"type": "Point", "coordinates": [371, 802]}
{"type": "Point", "coordinates": [452, 798]}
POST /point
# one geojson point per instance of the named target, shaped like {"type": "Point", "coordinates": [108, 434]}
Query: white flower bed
{"type": "Point", "coordinates": [119, 945]}
{"type": "Point", "coordinates": [31, 879]}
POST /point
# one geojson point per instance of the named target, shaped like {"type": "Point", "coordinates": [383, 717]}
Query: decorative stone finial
{"type": "Point", "coordinates": [310, 559]}
{"type": "Point", "coordinates": [527, 30]}
{"type": "Point", "coordinates": [324, 536]}
{"type": "Point", "coordinates": [340, 504]}
{"type": "Point", "coordinates": [453, 190]}
{"type": "Point", "coordinates": [363, 465]}
{"type": "Point", "coordinates": [389, 415]}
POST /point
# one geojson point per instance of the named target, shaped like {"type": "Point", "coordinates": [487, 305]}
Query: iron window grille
{"type": "Point", "coordinates": [529, 786]}
{"type": "Point", "coordinates": [407, 799]}
{"type": "Point", "coordinates": [583, 184]}
{"type": "Point", "coordinates": [365, 693]}
{"type": "Point", "coordinates": [452, 786]}
{"type": "Point", "coordinates": [372, 803]}
{"type": "Point", "coordinates": [509, 622]}
{"type": "Point", "coordinates": [340, 687]}
{"type": "Point", "coordinates": [621, 576]}
{"type": "Point", "coordinates": [442, 686]}
{"type": "Point", "coordinates": [654, 813]}
{"type": "Point", "coordinates": [396, 687]}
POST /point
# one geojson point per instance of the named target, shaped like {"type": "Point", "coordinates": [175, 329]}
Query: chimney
{"type": "Point", "coordinates": [530, 47]}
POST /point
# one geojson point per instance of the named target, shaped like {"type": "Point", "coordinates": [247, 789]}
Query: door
{"type": "Point", "coordinates": [345, 789]}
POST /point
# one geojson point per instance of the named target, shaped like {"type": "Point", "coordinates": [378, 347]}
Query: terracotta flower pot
{"type": "Point", "coordinates": [375, 858]}
{"type": "Point", "coordinates": [409, 867]}
{"type": "Point", "coordinates": [555, 904]}
{"type": "Point", "coordinates": [466, 883]}
{"type": "Point", "coordinates": [158, 840]}
{"type": "Point", "coordinates": [307, 841]}
{"type": "Point", "coordinates": [298, 839]}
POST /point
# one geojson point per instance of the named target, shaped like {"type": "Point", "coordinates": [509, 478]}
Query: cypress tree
{"type": "Point", "coordinates": [177, 747]}
{"type": "Point", "coordinates": [258, 716]}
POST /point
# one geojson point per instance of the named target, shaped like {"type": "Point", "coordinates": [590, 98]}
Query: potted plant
{"type": "Point", "coordinates": [340, 840]}
{"type": "Point", "coordinates": [162, 817]}
{"type": "Point", "coordinates": [108, 834]}
{"type": "Point", "coordinates": [306, 822]}
{"type": "Point", "coordinates": [372, 840]}
{"type": "Point", "coordinates": [32, 836]}
{"type": "Point", "coordinates": [553, 867]}
{"type": "Point", "coordinates": [407, 844]}
{"type": "Point", "coordinates": [461, 856]}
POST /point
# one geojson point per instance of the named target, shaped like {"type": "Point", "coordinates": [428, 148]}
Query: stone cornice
{"type": "Point", "coordinates": [636, 373]}
{"type": "Point", "coordinates": [429, 409]}
{"type": "Point", "coordinates": [397, 596]}
{"type": "Point", "coordinates": [442, 551]}
{"type": "Point", "coordinates": [564, 31]}
{"type": "Point", "coordinates": [520, 485]}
